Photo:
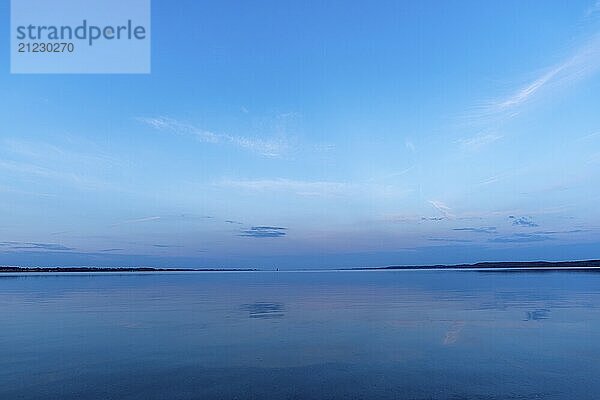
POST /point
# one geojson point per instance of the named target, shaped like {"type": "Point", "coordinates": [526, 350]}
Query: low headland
{"type": "Point", "coordinates": [584, 265]}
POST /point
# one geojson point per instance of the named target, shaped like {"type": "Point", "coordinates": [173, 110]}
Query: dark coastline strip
{"type": "Point", "coordinates": [586, 265]}
{"type": "Point", "coordinates": [124, 269]}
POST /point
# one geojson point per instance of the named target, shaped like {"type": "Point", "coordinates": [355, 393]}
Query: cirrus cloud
{"type": "Point", "coordinates": [264, 232]}
{"type": "Point", "coordinates": [268, 147]}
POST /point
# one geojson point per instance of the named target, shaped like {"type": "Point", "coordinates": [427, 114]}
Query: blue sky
{"type": "Point", "coordinates": [303, 134]}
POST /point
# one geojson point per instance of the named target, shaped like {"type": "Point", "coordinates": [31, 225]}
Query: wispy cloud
{"type": "Point", "coordinates": [268, 147]}
{"type": "Point", "coordinates": [478, 142]}
{"type": "Point", "coordinates": [523, 221]}
{"type": "Point", "coordinates": [572, 231]}
{"type": "Point", "coordinates": [178, 127]}
{"type": "Point", "coordinates": [34, 246]}
{"type": "Point", "coordinates": [264, 232]}
{"type": "Point", "coordinates": [433, 218]}
{"type": "Point", "coordinates": [7, 189]}
{"type": "Point", "coordinates": [594, 158]}
{"type": "Point", "coordinates": [484, 229]}
{"type": "Point", "coordinates": [442, 208]}
{"type": "Point", "coordinates": [583, 62]}
{"type": "Point", "coordinates": [166, 218]}
{"type": "Point", "coordinates": [318, 188]}
{"type": "Point", "coordinates": [324, 147]}
{"type": "Point", "coordinates": [411, 219]}
{"type": "Point", "coordinates": [305, 188]}
{"type": "Point", "coordinates": [593, 10]}
{"type": "Point", "coordinates": [590, 136]}
{"type": "Point", "coordinates": [491, 180]}
{"type": "Point", "coordinates": [500, 177]}
{"type": "Point", "coordinates": [521, 238]}
{"type": "Point", "coordinates": [273, 147]}
{"type": "Point", "coordinates": [393, 174]}
{"type": "Point", "coordinates": [439, 206]}
{"type": "Point", "coordinates": [448, 215]}
{"type": "Point", "coordinates": [35, 150]}
{"type": "Point", "coordinates": [137, 220]}
{"type": "Point", "coordinates": [530, 90]}
{"type": "Point", "coordinates": [36, 171]}
{"type": "Point", "coordinates": [449, 240]}
{"type": "Point", "coordinates": [40, 160]}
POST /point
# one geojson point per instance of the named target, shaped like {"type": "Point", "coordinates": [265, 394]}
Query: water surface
{"type": "Point", "coordinates": [301, 335]}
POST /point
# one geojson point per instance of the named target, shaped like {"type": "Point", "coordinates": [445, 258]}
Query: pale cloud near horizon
{"type": "Point", "coordinates": [511, 173]}
{"type": "Point", "coordinates": [14, 245]}
{"type": "Point", "coordinates": [410, 218]}
{"type": "Point", "coordinates": [492, 179]}
{"type": "Point", "coordinates": [8, 189]}
{"type": "Point", "coordinates": [306, 188]}
{"type": "Point", "coordinates": [317, 188]}
{"type": "Point", "coordinates": [442, 208]}
{"type": "Point", "coordinates": [478, 142]}
{"type": "Point", "coordinates": [165, 218]}
{"type": "Point", "coordinates": [137, 220]}
{"type": "Point", "coordinates": [270, 147]}
{"type": "Point", "coordinates": [264, 232]}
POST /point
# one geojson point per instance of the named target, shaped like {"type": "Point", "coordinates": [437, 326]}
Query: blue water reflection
{"type": "Point", "coordinates": [301, 335]}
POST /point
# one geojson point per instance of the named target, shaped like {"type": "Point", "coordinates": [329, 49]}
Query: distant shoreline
{"type": "Point", "coordinates": [116, 269]}
{"type": "Point", "coordinates": [585, 265]}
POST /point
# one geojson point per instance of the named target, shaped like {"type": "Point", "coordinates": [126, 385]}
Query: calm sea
{"type": "Point", "coordinates": [301, 335]}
